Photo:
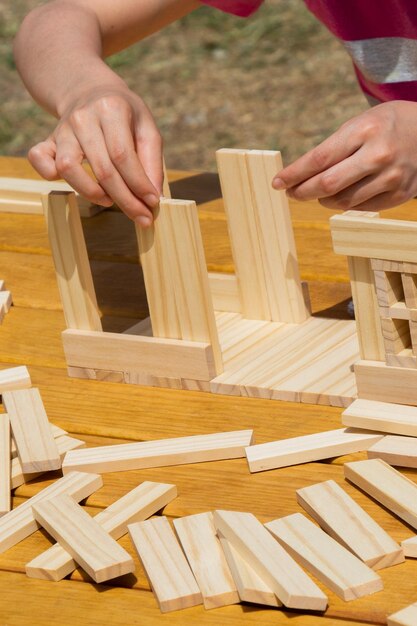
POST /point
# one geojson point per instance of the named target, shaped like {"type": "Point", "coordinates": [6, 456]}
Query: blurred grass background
{"type": "Point", "coordinates": [278, 80]}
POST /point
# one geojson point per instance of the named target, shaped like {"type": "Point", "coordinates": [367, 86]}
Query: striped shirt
{"type": "Point", "coordinates": [379, 35]}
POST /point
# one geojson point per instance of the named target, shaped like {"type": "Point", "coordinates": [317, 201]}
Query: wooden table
{"type": "Point", "coordinates": [105, 413]}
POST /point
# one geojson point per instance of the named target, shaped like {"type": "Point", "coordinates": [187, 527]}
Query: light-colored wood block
{"type": "Point", "coordinates": [5, 500]}
{"type": "Point", "coordinates": [88, 543]}
{"type": "Point", "coordinates": [410, 289]}
{"type": "Point", "coordinates": [308, 448]}
{"type": "Point", "coordinates": [413, 335]}
{"type": "Point", "coordinates": [225, 292]}
{"type": "Point", "coordinates": [20, 523]}
{"type": "Point", "coordinates": [381, 416]}
{"type": "Point", "coordinates": [90, 374]}
{"type": "Point", "coordinates": [270, 561]}
{"type": "Point", "coordinates": [404, 358]}
{"type": "Point", "coordinates": [395, 450]}
{"type": "Point", "coordinates": [160, 453]}
{"type": "Point", "coordinates": [197, 535]}
{"type": "Point", "coordinates": [344, 520]}
{"type": "Point", "coordinates": [399, 311]}
{"type": "Point", "coordinates": [14, 378]}
{"type": "Point", "coordinates": [35, 443]}
{"type": "Point", "coordinates": [389, 288]}
{"type": "Point", "coordinates": [138, 504]}
{"type": "Point", "coordinates": [410, 547]}
{"type": "Point", "coordinates": [404, 617]}
{"type": "Point", "coordinates": [386, 485]}
{"type": "Point", "coordinates": [250, 586]}
{"type": "Point", "coordinates": [72, 266]}
{"type": "Point", "coordinates": [55, 430]}
{"type": "Point", "coordinates": [5, 300]}
{"type": "Point", "coordinates": [384, 383]}
{"type": "Point", "coordinates": [165, 565]}
{"type": "Point", "coordinates": [396, 334]}
{"type": "Point", "coordinates": [325, 558]}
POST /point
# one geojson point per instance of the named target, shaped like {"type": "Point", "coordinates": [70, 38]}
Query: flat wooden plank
{"type": "Point", "coordinates": [344, 520]}
{"type": "Point", "coordinates": [170, 575]}
{"type": "Point", "coordinates": [5, 499]}
{"type": "Point", "coordinates": [384, 383]}
{"type": "Point", "coordinates": [14, 378]}
{"type": "Point", "coordinates": [204, 553]}
{"type": "Point", "coordinates": [325, 558]}
{"type": "Point", "coordinates": [55, 430]}
{"type": "Point", "coordinates": [88, 543]}
{"type": "Point", "coordinates": [270, 561]}
{"type": "Point", "coordinates": [381, 416]}
{"type": "Point", "coordinates": [307, 448]}
{"type": "Point", "coordinates": [20, 522]}
{"type": "Point", "coordinates": [32, 434]}
{"type": "Point", "coordinates": [160, 453]}
{"type": "Point", "coordinates": [138, 504]}
{"type": "Point", "coordinates": [404, 617]}
{"type": "Point", "coordinates": [395, 450]}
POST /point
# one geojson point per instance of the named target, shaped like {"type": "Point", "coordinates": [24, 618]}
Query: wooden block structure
{"type": "Point", "coordinates": [248, 333]}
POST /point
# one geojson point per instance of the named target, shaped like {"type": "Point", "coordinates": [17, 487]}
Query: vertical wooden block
{"type": "Point", "coordinates": [4, 464]}
{"type": "Point", "coordinates": [410, 289]}
{"type": "Point", "coordinates": [71, 261]}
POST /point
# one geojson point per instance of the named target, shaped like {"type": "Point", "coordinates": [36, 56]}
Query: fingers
{"type": "Point", "coordinates": [380, 202]}
{"type": "Point", "coordinates": [42, 158]}
{"type": "Point", "coordinates": [149, 147]}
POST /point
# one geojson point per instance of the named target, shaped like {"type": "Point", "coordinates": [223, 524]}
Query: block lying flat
{"type": "Point", "coordinates": [307, 448]}
{"type": "Point", "coordinates": [385, 484]}
{"type": "Point", "coordinates": [166, 567]}
{"type": "Point", "coordinates": [35, 443]}
{"type": "Point", "coordinates": [55, 430]}
{"type": "Point", "coordinates": [5, 500]}
{"type": "Point", "coordinates": [395, 450]}
{"type": "Point", "coordinates": [141, 502]}
{"type": "Point", "coordinates": [14, 378]}
{"type": "Point", "coordinates": [204, 553]}
{"type": "Point", "coordinates": [270, 561]}
{"type": "Point", "coordinates": [405, 617]}
{"type": "Point", "coordinates": [324, 557]}
{"type": "Point", "coordinates": [194, 449]}
{"type": "Point", "coordinates": [20, 522]}
{"type": "Point", "coordinates": [383, 416]}
{"type": "Point", "coordinates": [82, 537]}
{"type": "Point", "coordinates": [410, 547]}
{"type": "Point", "coordinates": [344, 520]}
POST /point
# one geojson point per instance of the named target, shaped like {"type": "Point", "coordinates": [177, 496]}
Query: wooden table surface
{"type": "Point", "coordinates": [105, 413]}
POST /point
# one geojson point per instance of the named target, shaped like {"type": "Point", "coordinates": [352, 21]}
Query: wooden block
{"type": "Point", "coordinates": [413, 335]}
{"type": "Point", "coordinates": [204, 553]}
{"type": "Point", "coordinates": [344, 520]}
{"type": "Point", "coordinates": [71, 261]}
{"type": "Point", "coordinates": [332, 564]}
{"type": "Point", "coordinates": [5, 500]}
{"type": "Point", "coordinates": [404, 617]}
{"type": "Point", "coordinates": [389, 288]}
{"type": "Point", "coordinates": [90, 374]}
{"type": "Point", "coordinates": [396, 334]}
{"type": "Point", "coordinates": [20, 523]}
{"type": "Point", "coordinates": [160, 453]}
{"type": "Point", "coordinates": [148, 355]}
{"type": "Point", "coordinates": [35, 443]}
{"type": "Point", "coordinates": [55, 430]}
{"type": "Point", "coordinates": [399, 311]}
{"type": "Point", "coordinates": [224, 291]}
{"type": "Point", "coordinates": [83, 538]}
{"type": "Point", "coordinates": [5, 300]}
{"type": "Point", "coordinates": [410, 547]}
{"type": "Point", "coordinates": [250, 586]}
{"type": "Point", "coordinates": [14, 378]}
{"type": "Point", "coordinates": [386, 485]}
{"type": "Point", "coordinates": [404, 358]}
{"type": "Point", "coordinates": [165, 565]}
{"type": "Point", "coordinates": [395, 450]}
{"type": "Point", "coordinates": [382, 265]}
{"type": "Point", "coordinates": [381, 382]}
{"type": "Point", "coordinates": [138, 504]}
{"type": "Point", "coordinates": [381, 416]}
{"type": "Point", "coordinates": [270, 561]}
{"type": "Point", "coordinates": [410, 289]}
{"type": "Point", "coordinates": [308, 448]}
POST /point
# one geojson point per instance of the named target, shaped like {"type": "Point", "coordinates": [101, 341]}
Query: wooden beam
{"type": "Point", "coordinates": [381, 416]}
{"type": "Point", "coordinates": [384, 383]}
{"type": "Point", "coordinates": [14, 378]}
{"type": "Point", "coordinates": [395, 450]}
{"type": "Point", "coordinates": [5, 486]}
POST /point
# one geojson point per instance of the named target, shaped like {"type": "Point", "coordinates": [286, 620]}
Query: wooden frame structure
{"type": "Point", "coordinates": [248, 333]}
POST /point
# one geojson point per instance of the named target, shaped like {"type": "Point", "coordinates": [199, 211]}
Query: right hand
{"type": "Point", "coordinates": [114, 130]}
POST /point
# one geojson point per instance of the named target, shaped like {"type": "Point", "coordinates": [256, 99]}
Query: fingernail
{"type": "Point", "coordinates": [143, 221]}
{"type": "Point", "coordinates": [278, 183]}
{"type": "Point", "coordinates": [151, 200]}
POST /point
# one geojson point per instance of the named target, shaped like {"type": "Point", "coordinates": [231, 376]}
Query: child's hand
{"type": "Point", "coordinates": [370, 163]}
{"type": "Point", "coordinates": [115, 131]}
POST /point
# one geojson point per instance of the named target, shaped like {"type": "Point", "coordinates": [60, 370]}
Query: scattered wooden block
{"type": "Point", "coordinates": [36, 446]}
{"type": "Point", "coordinates": [165, 565]}
{"type": "Point", "coordinates": [344, 520]}
{"type": "Point", "coordinates": [270, 561]}
{"type": "Point", "coordinates": [405, 617]}
{"type": "Point", "coordinates": [5, 300]}
{"type": "Point", "coordinates": [89, 545]}
{"type": "Point", "coordinates": [307, 448]}
{"type": "Point", "coordinates": [55, 430]}
{"type": "Point", "coordinates": [375, 380]}
{"type": "Point", "coordinates": [5, 502]}
{"type": "Point", "coordinates": [381, 416]}
{"type": "Point", "coordinates": [202, 548]}
{"type": "Point", "coordinates": [140, 503]}
{"type": "Point", "coordinates": [410, 547]}
{"type": "Point", "coordinates": [14, 378]}
{"type": "Point", "coordinates": [324, 557]}
{"type": "Point", "coordinates": [160, 453]}
{"type": "Point", "coordinates": [395, 450]}
{"type": "Point", "coordinates": [385, 484]}
{"type": "Point", "coordinates": [20, 522]}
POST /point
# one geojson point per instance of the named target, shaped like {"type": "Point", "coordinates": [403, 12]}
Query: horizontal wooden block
{"type": "Point", "coordinates": [90, 374]}
{"type": "Point", "coordinates": [410, 547]}
{"type": "Point", "coordinates": [88, 543]}
{"type": "Point", "coordinates": [377, 381]}
{"type": "Point", "coordinates": [14, 378]}
{"type": "Point", "coordinates": [395, 450]}
{"type": "Point", "coordinates": [404, 617]}
{"type": "Point", "coordinates": [160, 453]}
{"type": "Point", "coordinates": [307, 448]}
{"type": "Point", "coordinates": [404, 358]}
{"type": "Point", "coordinates": [381, 416]}
{"type": "Point", "coordinates": [151, 355]}
{"type": "Point", "coordinates": [55, 430]}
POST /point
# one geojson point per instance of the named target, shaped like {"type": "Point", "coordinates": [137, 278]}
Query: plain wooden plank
{"type": "Point", "coordinates": [88, 543]}
{"type": "Point", "coordinates": [344, 520]}
{"type": "Point", "coordinates": [324, 445]}
{"type": "Point", "coordinates": [384, 383]}
{"type": "Point", "coordinates": [55, 430]}
{"type": "Point", "coordinates": [404, 617]}
{"type": "Point", "coordinates": [381, 416]}
{"type": "Point", "coordinates": [136, 505]}
{"type": "Point", "coordinates": [20, 523]}
{"type": "Point", "coordinates": [165, 565]}
{"type": "Point", "coordinates": [71, 261]}
{"type": "Point", "coordinates": [386, 485]}
{"type": "Point", "coordinates": [204, 553]}
{"type": "Point", "coordinates": [14, 378]}
{"type": "Point", "coordinates": [5, 499]}
{"type": "Point", "coordinates": [160, 453]}
{"type": "Point", "coordinates": [224, 291]}
{"type": "Point", "coordinates": [32, 434]}
{"type": "Point", "coordinates": [395, 450]}
{"type": "Point", "coordinates": [325, 558]}
{"type": "Point", "coordinates": [270, 561]}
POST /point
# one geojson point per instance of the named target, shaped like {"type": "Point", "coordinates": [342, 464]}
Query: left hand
{"type": "Point", "coordinates": [370, 163]}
